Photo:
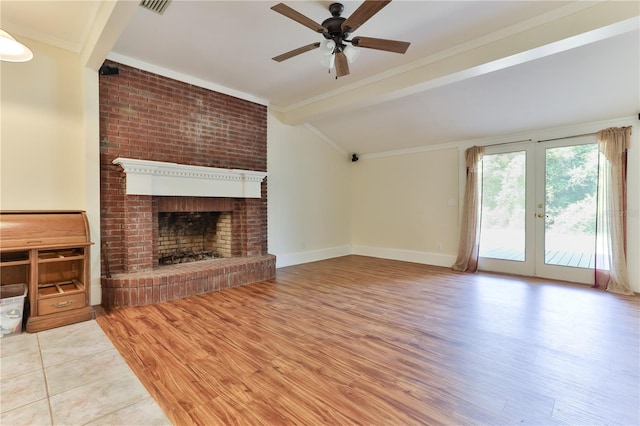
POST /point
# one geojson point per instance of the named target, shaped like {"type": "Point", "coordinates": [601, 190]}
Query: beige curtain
{"type": "Point", "coordinates": [469, 244]}
{"type": "Point", "coordinates": [611, 265]}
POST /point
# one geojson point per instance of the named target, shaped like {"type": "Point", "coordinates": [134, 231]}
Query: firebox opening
{"type": "Point", "coordinates": [193, 236]}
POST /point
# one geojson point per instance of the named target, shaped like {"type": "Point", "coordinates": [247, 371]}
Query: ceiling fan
{"type": "Point", "coordinates": [336, 31]}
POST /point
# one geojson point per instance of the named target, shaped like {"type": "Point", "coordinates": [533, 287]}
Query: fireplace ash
{"type": "Point", "coordinates": [185, 257]}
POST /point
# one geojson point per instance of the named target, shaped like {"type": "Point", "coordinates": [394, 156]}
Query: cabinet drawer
{"type": "Point", "coordinates": [64, 302]}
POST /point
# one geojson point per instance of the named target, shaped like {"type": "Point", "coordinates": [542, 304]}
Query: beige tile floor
{"type": "Point", "coordinates": [70, 375]}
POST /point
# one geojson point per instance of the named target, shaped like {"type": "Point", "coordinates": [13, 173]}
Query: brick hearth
{"type": "Point", "coordinates": [184, 280]}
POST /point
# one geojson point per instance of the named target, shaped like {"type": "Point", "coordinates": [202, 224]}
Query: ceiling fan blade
{"type": "Point", "coordinates": [381, 44]}
{"type": "Point", "coordinates": [362, 14]}
{"type": "Point", "coordinates": [342, 65]}
{"type": "Point", "coordinates": [298, 17]}
{"type": "Point", "coordinates": [296, 52]}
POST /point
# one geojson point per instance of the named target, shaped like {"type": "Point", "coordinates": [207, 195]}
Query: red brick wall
{"type": "Point", "coordinates": [150, 117]}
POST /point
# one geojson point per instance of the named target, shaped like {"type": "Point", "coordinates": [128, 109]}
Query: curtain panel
{"type": "Point", "coordinates": [469, 244]}
{"type": "Point", "coordinates": [610, 259]}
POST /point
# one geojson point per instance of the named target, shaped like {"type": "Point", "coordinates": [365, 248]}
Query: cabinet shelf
{"type": "Point", "coordinates": [59, 259]}
{"type": "Point", "coordinates": [15, 267]}
{"type": "Point", "coordinates": [13, 258]}
{"type": "Point", "coordinates": [45, 256]}
{"type": "Point", "coordinates": [14, 263]}
{"type": "Point", "coordinates": [60, 287]}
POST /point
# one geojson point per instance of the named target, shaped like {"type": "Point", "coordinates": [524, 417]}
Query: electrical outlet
{"type": "Point", "coordinates": [452, 202]}
{"type": "Point", "coordinates": [439, 246]}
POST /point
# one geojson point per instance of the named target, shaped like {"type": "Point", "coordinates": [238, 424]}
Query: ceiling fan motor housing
{"type": "Point", "coordinates": [334, 26]}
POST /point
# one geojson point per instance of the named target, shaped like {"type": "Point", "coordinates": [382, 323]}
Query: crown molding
{"type": "Point", "coordinates": [145, 66]}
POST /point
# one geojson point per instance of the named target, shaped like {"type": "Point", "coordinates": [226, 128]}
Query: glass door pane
{"type": "Point", "coordinates": [571, 174]}
{"type": "Point", "coordinates": [503, 231]}
{"type": "Point", "coordinates": [566, 209]}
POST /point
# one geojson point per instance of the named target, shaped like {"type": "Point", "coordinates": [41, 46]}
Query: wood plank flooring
{"type": "Point", "coordinates": [358, 340]}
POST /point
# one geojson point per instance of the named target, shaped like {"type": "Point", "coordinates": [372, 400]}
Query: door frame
{"type": "Point", "coordinates": [535, 199]}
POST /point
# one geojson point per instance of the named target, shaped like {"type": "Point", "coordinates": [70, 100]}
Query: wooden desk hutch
{"type": "Point", "coordinates": [48, 251]}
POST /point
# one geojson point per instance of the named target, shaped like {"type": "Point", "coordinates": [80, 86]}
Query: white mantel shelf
{"type": "Point", "coordinates": [171, 179]}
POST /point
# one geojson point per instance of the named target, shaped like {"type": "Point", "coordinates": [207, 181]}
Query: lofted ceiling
{"type": "Point", "coordinates": [475, 69]}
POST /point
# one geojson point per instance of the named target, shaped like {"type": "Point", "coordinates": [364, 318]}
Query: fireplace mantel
{"type": "Point", "coordinates": [146, 177]}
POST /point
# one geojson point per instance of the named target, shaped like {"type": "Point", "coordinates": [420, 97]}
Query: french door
{"type": "Point", "coordinates": [539, 208]}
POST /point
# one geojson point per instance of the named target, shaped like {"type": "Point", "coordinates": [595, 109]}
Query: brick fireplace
{"type": "Point", "coordinates": [168, 147]}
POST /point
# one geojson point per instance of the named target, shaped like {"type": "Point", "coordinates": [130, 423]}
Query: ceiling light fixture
{"type": "Point", "coordinates": [12, 50]}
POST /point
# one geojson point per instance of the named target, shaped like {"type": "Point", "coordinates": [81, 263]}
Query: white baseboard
{"type": "Point", "coordinates": [436, 259]}
{"type": "Point", "coordinates": [290, 259]}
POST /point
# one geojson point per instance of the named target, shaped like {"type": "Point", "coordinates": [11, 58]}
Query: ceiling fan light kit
{"type": "Point", "coordinates": [337, 50]}
{"type": "Point", "coordinates": [351, 53]}
{"type": "Point", "coordinates": [328, 57]}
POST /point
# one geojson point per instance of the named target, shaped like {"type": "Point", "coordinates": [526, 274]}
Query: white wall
{"type": "Point", "coordinates": [92, 175]}
{"type": "Point", "coordinates": [309, 207]}
{"type": "Point", "coordinates": [405, 207]}
{"type": "Point", "coordinates": [42, 154]}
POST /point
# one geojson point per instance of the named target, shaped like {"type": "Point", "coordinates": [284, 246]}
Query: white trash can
{"type": "Point", "coordinates": [11, 308]}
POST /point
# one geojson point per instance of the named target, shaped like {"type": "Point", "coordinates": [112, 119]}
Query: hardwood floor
{"type": "Point", "coordinates": [358, 340]}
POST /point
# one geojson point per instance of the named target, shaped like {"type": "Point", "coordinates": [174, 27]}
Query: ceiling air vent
{"type": "Point", "coordinates": [158, 6]}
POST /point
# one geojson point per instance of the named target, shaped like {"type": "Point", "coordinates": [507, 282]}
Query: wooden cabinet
{"type": "Point", "coordinates": [48, 251]}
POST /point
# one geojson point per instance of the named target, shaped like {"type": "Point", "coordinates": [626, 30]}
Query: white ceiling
{"type": "Point", "coordinates": [475, 69]}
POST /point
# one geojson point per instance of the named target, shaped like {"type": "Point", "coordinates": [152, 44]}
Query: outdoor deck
{"type": "Point", "coordinates": [575, 259]}
{"type": "Point", "coordinates": [562, 249]}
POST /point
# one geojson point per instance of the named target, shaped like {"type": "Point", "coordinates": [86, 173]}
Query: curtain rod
{"type": "Point", "coordinates": [546, 140]}
{"type": "Point", "coordinates": [569, 137]}
{"type": "Point", "coordinates": [506, 143]}
{"type": "Point", "coordinates": [575, 136]}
